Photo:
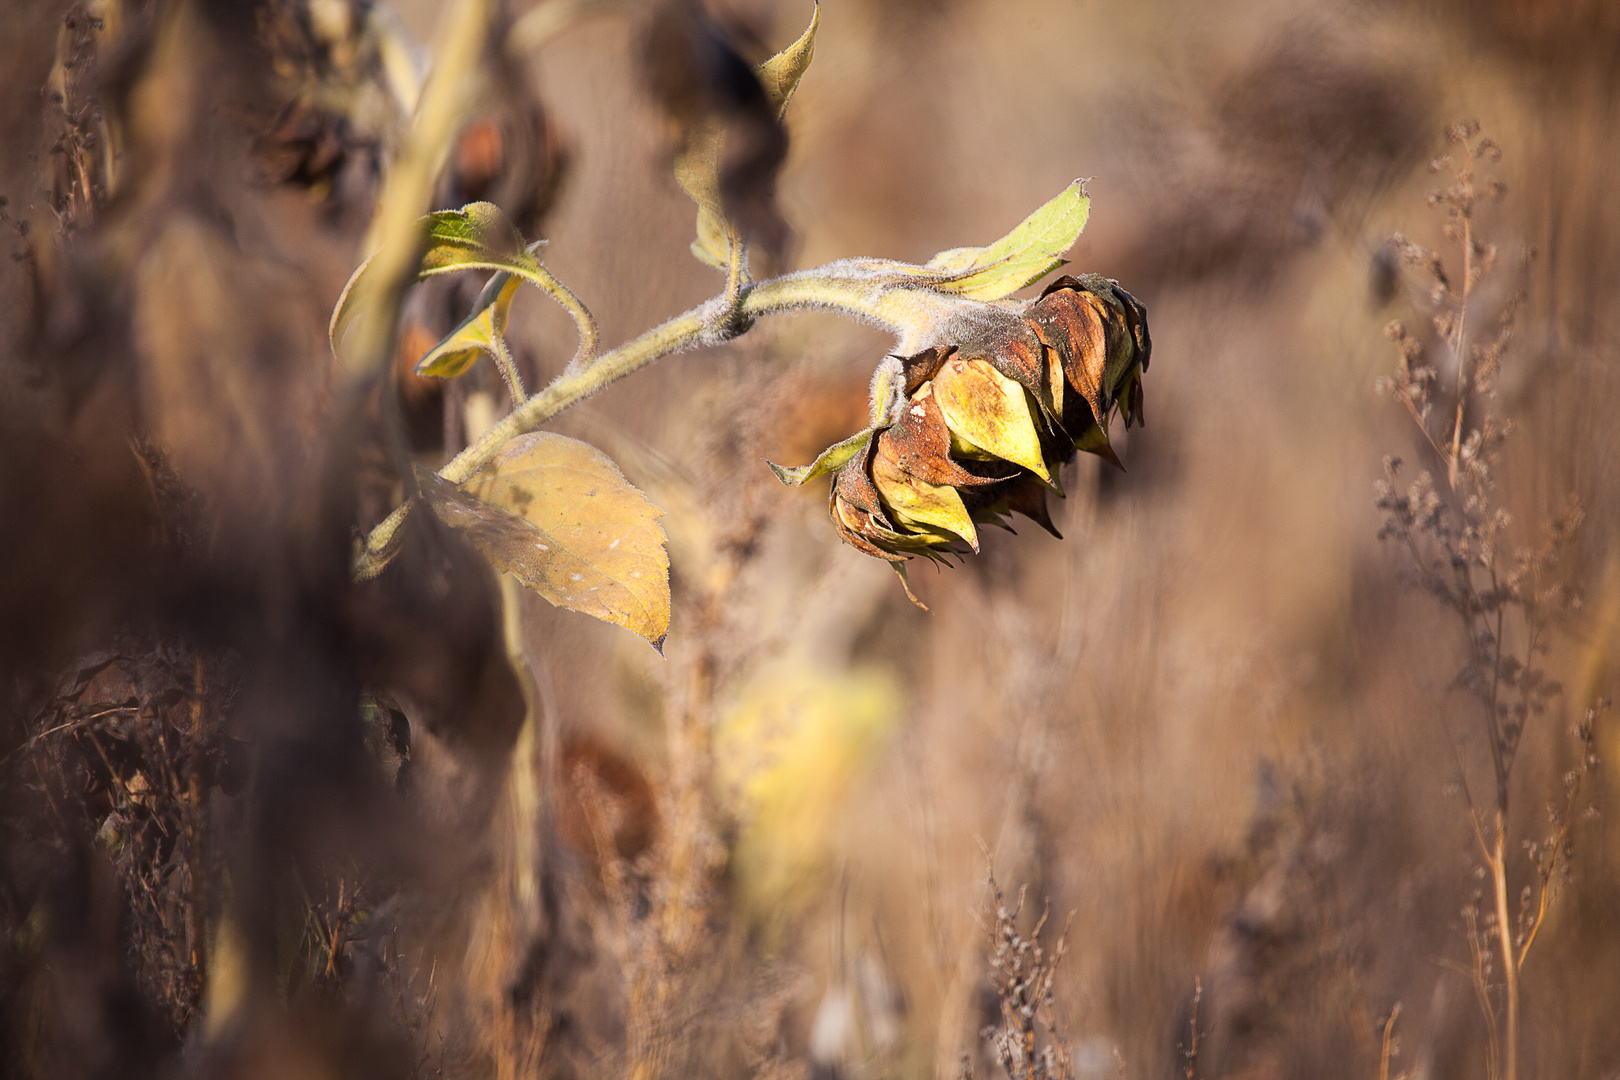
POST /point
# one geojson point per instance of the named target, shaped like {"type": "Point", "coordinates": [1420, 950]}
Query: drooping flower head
{"type": "Point", "coordinates": [968, 432]}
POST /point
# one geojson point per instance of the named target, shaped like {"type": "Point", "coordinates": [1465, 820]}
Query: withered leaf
{"type": "Point", "coordinates": [921, 506]}
{"type": "Point", "coordinates": [779, 76]}
{"type": "Point", "coordinates": [1073, 327]}
{"type": "Point", "coordinates": [557, 514]}
{"type": "Point", "coordinates": [919, 443]}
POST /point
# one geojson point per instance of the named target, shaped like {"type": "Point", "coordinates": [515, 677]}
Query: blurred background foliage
{"type": "Point", "coordinates": [1211, 722]}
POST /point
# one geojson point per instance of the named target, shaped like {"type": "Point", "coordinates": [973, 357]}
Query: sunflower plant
{"type": "Point", "coordinates": [980, 400]}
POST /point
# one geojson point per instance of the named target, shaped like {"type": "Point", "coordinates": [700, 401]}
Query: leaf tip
{"type": "Point", "coordinates": [900, 572]}
{"type": "Point", "coordinates": [791, 476]}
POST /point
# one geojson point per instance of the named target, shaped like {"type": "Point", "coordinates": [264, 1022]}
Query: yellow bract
{"type": "Point", "coordinates": [990, 413]}
{"type": "Point", "coordinates": [913, 502]}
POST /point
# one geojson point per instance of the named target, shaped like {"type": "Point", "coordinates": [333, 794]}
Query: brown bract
{"type": "Point", "coordinates": [980, 423]}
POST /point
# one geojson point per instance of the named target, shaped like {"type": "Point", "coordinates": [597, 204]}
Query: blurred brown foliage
{"type": "Point", "coordinates": [256, 819]}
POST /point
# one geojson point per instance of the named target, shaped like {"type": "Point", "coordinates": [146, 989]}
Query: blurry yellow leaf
{"type": "Point", "coordinates": [779, 76]}
{"type": "Point", "coordinates": [790, 750]}
{"type": "Point", "coordinates": [697, 168]}
{"type": "Point", "coordinates": [1022, 257]}
{"type": "Point", "coordinates": [477, 333]}
{"type": "Point", "coordinates": [558, 515]}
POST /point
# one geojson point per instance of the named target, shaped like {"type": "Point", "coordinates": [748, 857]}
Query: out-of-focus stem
{"type": "Point", "coordinates": [1510, 958]}
{"type": "Point", "coordinates": [408, 188]}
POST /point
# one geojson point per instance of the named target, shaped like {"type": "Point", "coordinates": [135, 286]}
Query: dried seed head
{"type": "Point", "coordinates": [970, 432]}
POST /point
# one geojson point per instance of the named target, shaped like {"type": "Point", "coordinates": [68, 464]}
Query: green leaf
{"type": "Point", "coordinates": [558, 515]}
{"type": "Point", "coordinates": [697, 167]}
{"type": "Point", "coordinates": [478, 332]}
{"type": "Point", "coordinates": [1023, 256]}
{"type": "Point", "coordinates": [833, 458]}
{"type": "Point", "coordinates": [476, 237]}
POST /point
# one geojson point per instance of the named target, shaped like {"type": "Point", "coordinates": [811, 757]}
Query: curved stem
{"type": "Point", "coordinates": [508, 368]}
{"type": "Point", "coordinates": [589, 338]}
{"type": "Point", "coordinates": [1510, 959]}
{"type": "Point", "coordinates": [861, 289]}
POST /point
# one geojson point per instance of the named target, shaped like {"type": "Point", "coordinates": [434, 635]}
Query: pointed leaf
{"type": "Point", "coordinates": [697, 167]}
{"type": "Point", "coordinates": [557, 514]}
{"type": "Point", "coordinates": [913, 502]}
{"type": "Point", "coordinates": [829, 460]}
{"type": "Point", "coordinates": [477, 333]}
{"type": "Point", "coordinates": [990, 413]}
{"type": "Point", "coordinates": [905, 583]}
{"type": "Point", "coordinates": [1022, 257]}
{"type": "Point", "coordinates": [779, 76]}
{"type": "Point", "coordinates": [1094, 440]}
{"type": "Point", "coordinates": [919, 442]}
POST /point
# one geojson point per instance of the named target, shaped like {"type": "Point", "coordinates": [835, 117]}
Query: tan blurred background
{"type": "Point", "coordinates": [1210, 727]}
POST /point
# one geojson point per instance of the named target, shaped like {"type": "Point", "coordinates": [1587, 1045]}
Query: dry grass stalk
{"type": "Point", "coordinates": [1028, 1043]}
{"type": "Point", "coordinates": [1507, 600]}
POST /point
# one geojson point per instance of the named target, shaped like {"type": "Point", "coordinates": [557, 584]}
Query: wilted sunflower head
{"type": "Point", "coordinates": [968, 432]}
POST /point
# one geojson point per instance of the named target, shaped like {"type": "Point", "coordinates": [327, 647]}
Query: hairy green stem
{"type": "Point", "coordinates": [508, 368]}
{"type": "Point", "coordinates": [584, 323]}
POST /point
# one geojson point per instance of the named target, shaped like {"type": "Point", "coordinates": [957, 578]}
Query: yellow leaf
{"type": "Point", "coordinates": [912, 502]}
{"type": "Point", "coordinates": [558, 515]}
{"type": "Point", "coordinates": [477, 333]}
{"type": "Point", "coordinates": [1022, 257]}
{"type": "Point", "coordinates": [779, 76]}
